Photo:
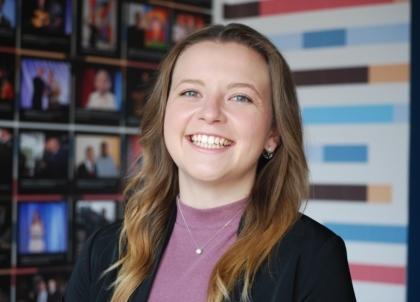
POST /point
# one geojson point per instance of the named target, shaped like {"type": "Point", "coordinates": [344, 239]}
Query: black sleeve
{"type": "Point", "coordinates": [328, 277]}
{"type": "Point", "coordinates": [78, 288]}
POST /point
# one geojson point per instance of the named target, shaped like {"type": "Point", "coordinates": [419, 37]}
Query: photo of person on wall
{"type": "Point", "coordinates": [45, 84]}
{"type": "Point", "coordinates": [43, 155]}
{"type": "Point", "coordinates": [102, 98]}
{"type": "Point", "coordinates": [148, 35]}
{"type": "Point", "coordinates": [186, 24]}
{"type": "Point", "coordinates": [97, 156]}
{"type": "Point", "coordinates": [99, 25]}
{"type": "Point", "coordinates": [42, 227]}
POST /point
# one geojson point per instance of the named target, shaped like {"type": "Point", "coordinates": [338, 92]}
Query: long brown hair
{"type": "Point", "coordinates": [281, 184]}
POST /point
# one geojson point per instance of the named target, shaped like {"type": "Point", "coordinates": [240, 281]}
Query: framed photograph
{"type": "Point", "coordinates": [99, 27]}
{"type": "Point", "coordinates": [6, 161]}
{"type": "Point", "coordinates": [7, 85]}
{"type": "Point", "coordinates": [47, 24]}
{"type": "Point", "coordinates": [5, 233]}
{"type": "Point", "coordinates": [98, 95]}
{"type": "Point", "coordinates": [48, 285]}
{"type": "Point", "coordinates": [43, 162]}
{"type": "Point", "coordinates": [91, 215]}
{"type": "Point", "coordinates": [97, 163]}
{"type": "Point", "coordinates": [45, 90]}
{"type": "Point", "coordinates": [138, 85]}
{"type": "Point", "coordinates": [43, 233]}
{"type": "Point", "coordinates": [8, 22]}
{"type": "Point", "coordinates": [148, 31]}
{"type": "Point", "coordinates": [186, 23]}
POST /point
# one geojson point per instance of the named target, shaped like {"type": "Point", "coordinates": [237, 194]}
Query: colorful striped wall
{"type": "Point", "coordinates": [351, 62]}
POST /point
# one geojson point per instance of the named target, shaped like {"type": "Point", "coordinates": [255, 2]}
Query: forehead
{"type": "Point", "coordinates": [226, 60]}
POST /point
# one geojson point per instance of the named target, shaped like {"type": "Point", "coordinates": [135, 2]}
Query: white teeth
{"type": "Point", "coordinates": [210, 142]}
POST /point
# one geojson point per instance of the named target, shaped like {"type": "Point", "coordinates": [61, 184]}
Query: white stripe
{"type": "Point", "coordinates": [321, 19]}
{"type": "Point", "coordinates": [377, 253]}
{"type": "Point", "coordinates": [379, 292]}
{"type": "Point", "coordinates": [336, 57]}
{"type": "Point", "coordinates": [354, 94]}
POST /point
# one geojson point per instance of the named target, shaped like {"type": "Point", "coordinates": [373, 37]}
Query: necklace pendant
{"type": "Point", "coordinates": [198, 251]}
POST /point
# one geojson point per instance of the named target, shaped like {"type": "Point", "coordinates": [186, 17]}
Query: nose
{"type": "Point", "coordinates": [211, 110]}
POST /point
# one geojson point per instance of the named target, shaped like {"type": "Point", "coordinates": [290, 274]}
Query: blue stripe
{"type": "Point", "coordinates": [401, 113]}
{"type": "Point", "coordinates": [314, 154]}
{"type": "Point", "coordinates": [348, 114]}
{"type": "Point", "coordinates": [287, 41]}
{"type": "Point", "coordinates": [378, 34]}
{"type": "Point", "coordinates": [324, 38]}
{"type": "Point", "coordinates": [370, 233]}
{"type": "Point", "coordinates": [346, 154]}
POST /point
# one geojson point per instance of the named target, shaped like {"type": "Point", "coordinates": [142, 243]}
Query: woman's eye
{"type": "Point", "coordinates": [190, 93]}
{"type": "Point", "coordinates": [241, 98]}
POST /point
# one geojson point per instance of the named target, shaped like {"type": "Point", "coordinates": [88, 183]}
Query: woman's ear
{"type": "Point", "coordinates": [273, 139]}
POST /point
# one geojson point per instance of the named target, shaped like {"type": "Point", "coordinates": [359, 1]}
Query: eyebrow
{"type": "Point", "coordinates": [191, 81]}
{"type": "Point", "coordinates": [242, 85]}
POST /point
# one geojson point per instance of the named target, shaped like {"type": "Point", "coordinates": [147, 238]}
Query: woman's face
{"type": "Point", "coordinates": [218, 115]}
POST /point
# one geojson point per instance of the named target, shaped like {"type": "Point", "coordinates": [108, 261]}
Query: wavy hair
{"type": "Point", "coordinates": [280, 188]}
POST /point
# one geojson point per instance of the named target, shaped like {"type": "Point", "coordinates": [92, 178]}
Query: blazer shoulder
{"type": "Point", "coordinates": [307, 232]}
{"type": "Point", "coordinates": [105, 246]}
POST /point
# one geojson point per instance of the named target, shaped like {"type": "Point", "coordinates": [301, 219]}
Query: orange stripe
{"type": "Point", "coordinates": [379, 193]}
{"type": "Point", "coordinates": [389, 73]}
{"type": "Point", "coordinates": [42, 54]}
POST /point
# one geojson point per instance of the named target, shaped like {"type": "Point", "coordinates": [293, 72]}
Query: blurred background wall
{"type": "Point", "coordinates": [74, 76]}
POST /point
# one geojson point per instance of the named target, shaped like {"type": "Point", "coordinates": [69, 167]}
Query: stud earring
{"type": "Point", "coordinates": [268, 154]}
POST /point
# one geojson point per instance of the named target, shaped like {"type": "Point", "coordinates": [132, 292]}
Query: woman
{"type": "Point", "coordinates": [36, 234]}
{"type": "Point", "coordinates": [213, 215]}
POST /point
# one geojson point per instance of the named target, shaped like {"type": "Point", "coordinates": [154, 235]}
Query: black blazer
{"type": "Point", "coordinates": [309, 265]}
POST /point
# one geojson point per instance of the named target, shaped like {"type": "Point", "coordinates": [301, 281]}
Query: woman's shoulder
{"type": "Point", "coordinates": [308, 237]}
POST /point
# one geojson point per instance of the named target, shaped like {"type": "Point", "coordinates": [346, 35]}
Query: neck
{"type": "Point", "coordinates": [206, 195]}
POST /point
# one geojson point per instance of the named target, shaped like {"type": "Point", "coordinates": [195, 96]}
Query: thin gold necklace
{"type": "Point", "coordinates": [199, 249]}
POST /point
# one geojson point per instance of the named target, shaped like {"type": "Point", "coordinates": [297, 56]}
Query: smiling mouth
{"type": "Point", "coordinates": [210, 141]}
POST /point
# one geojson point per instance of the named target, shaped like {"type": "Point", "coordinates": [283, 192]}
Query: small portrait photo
{"type": "Point", "coordinates": [99, 89]}
{"type": "Point", "coordinates": [6, 161]}
{"type": "Point", "coordinates": [99, 30]}
{"type": "Point", "coordinates": [45, 85]}
{"type": "Point", "coordinates": [148, 26]}
{"type": "Point", "coordinates": [91, 215]}
{"type": "Point", "coordinates": [97, 156]}
{"type": "Point", "coordinates": [5, 234]}
{"type": "Point", "coordinates": [5, 285]}
{"type": "Point", "coordinates": [47, 17]}
{"type": "Point", "coordinates": [134, 157]}
{"type": "Point", "coordinates": [186, 23]}
{"type": "Point", "coordinates": [7, 15]}
{"type": "Point", "coordinates": [42, 227]}
{"type": "Point", "coordinates": [7, 85]}
{"type": "Point", "coordinates": [139, 83]}
{"type": "Point", "coordinates": [43, 155]}
{"type": "Point", "coordinates": [46, 287]}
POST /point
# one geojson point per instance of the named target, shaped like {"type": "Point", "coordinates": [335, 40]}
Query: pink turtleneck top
{"type": "Point", "coordinates": [182, 274]}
